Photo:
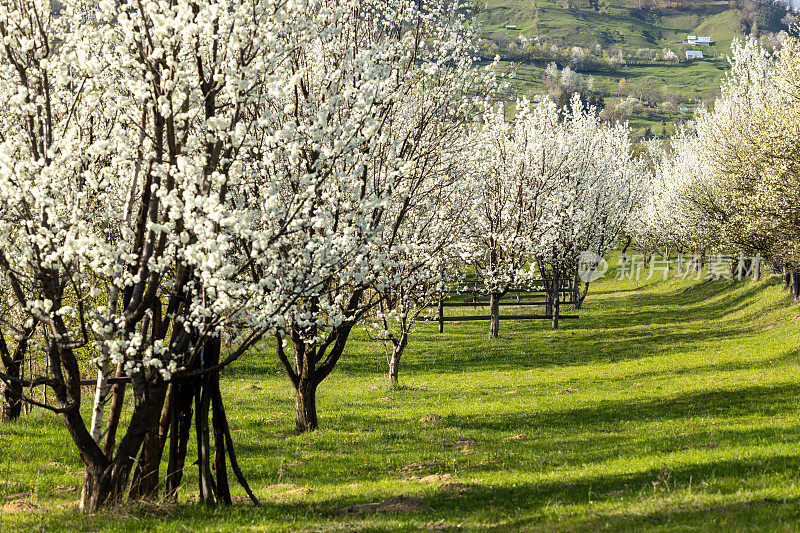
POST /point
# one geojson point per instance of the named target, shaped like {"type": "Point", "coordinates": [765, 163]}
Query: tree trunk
{"type": "Point", "coordinates": [582, 296]}
{"type": "Point", "coordinates": [625, 250]}
{"type": "Point", "coordinates": [306, 404]}
{"type": "Point", "coordinates": [12, 395]}
{"type": "Point", "coordinates": [180, 426]}
{"type": "Point", "coordinates": [394, 360]}
{"type": "Point", "coordinates": [440, 313]}
{"type": "Point", "coordinates": [494, 311]}
{"type": "Point", "coordinates": [574, 295]}
{"type": "Point", "coordinates": [14, 365]}
{"type": "Point", "coordinates": [101, 391]}
{"type": "Point", "coordinates": [114, 413]}
{"type": "Point", "coordinates": [787, 276]}
{"type": "Point", "coordinates": [202, 404]}
{"type": "Point", "coordinates": [106, 480]}
{"type": "Point", "coordinates": [146, 475]}
{"type": "Point", "coordinates": [556, 297]}
{"type": "Point", "coordinates": [796, 285]}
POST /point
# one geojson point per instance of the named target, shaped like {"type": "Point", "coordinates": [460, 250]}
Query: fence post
{"type": "Point", "coordinates": [440, 310]}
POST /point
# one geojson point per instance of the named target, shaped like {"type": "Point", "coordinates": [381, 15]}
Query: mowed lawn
{"type": "Point", "coordinates": [669, 405]}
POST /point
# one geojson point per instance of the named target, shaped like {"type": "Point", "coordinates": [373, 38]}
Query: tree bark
{"type": "Point", "coordinates": [394, 360]}
{"type": "Point", "coordinates": [114, 413]}
{"type": "Point", "coordinates": [556, 297]}
{"type": "Point", "coordinates": [306, 404]}
{"type": "Point", "coordinates": [440, 314]}
{"type": "Point", "coordinates": [14, 365]}
{"type": "Point", "coordinates": [494, 311]}
{"type": "Point", "coordinates": [146, 476]}
{"type": "Point", "coordinates": [796, 285]}
{"type": "Point", "coordinates": [101, 391]}
{"type": "Point", "coordinates": [180, 426]}
{"type": "Point", "coordinates": [106, 480]}
{"type": "Point", "coordinates": [582, 296]}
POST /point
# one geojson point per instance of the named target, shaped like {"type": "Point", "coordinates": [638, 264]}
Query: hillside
{"type": "Point", "coordinates": [619, 24]}
{"type": "Point", "coordinates": [625, 48]}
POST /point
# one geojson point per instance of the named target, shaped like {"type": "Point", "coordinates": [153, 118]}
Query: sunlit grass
{"type": "Point", "coordinates": [668, 405]}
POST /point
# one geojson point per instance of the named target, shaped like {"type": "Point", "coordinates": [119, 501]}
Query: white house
{"type": "Point", "coordinates": [694, 54]}
{"type": "Point", "coordinates": [694, 40]}
{"type": "Point", "coordinates": [511, 27]}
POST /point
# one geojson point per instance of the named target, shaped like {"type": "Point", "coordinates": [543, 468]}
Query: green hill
{"type": "Point", "coordinates": [628, 46]}
{"type": "Point", "coordinates": [620, 23]}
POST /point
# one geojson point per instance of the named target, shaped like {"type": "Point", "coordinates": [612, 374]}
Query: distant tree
{"type": "Point", "coordinates": [586, 98]}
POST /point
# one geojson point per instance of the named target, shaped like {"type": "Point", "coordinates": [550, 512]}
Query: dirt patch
{"type": "Point", "coordinates": [452, 486]}
{"type": "Point", "coordinates": [19, 506]}
{"type": "Point", "coordinates": [520, 436]}
{"type": "Point", "coordinates": [429, 479]}
{"type": "Point", "coordinates": [251, 387]}
{"type": "Point", "coordinates": [398, 504]}
{"type": "Point", "coordinates": [567, 391]}
{"type": "Point", "coordinates": [431, 418]}
{"type": "Point", "coordinates": [421, 466]}
{"type": "Point", "coordinates": [63, 489]}
{"type": "Point", "coordinates": [466, 445]}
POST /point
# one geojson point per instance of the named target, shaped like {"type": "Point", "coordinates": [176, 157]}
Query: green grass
{"type": "Point", "coordinates": [668, 405]}
{"type": "Point", "coordinates": [619, 25]}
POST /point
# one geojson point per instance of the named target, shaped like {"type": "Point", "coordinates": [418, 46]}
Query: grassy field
{"type": "Point", "coordinates": [622, 26]}
{"type": "Point", "coordinates": [669, 405]}
{"type": "Point", "coordinates": [619, 24]}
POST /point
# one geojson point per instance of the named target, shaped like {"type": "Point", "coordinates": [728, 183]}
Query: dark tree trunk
{"type": "Point", "coordinates": [556, 297]}
{"type": "Point", "coordinates": [107, 480]}
{"type": "Point", "coordinates": [12, 395]}
{"type": "Point", "coordinates": [575, 292]}
{"type": "Point", "coordinates": [14, 364]}
{"type": "Point", "coordinates": [796, 284]}
{"type": "Point", "coordinates": [114, 413]}
{"type": "Point", "coordinates": [306, 404]}
{"type": "Point", "coordinates": [787, 276]}
{"type": "Point", "coordinates": [180, 427]}
{"type": "Point", "coordinates": [202, 405]}
{"type": "Point", "coordinates": [582, 296]}
{"type": "Point", "coordinates": [146, 476]}
{"type": "Point", "coordinates": [440, 314]}
{"type": "Point", "coordinates": [394, 360]}
{"type": "Point", "coordinates": [494, 312]}
{"type": "Point", "coordinates": [625, 249]}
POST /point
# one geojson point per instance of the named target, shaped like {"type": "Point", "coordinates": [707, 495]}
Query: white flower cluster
{"type": "Point", "coordinates": [547, 186]}
{"type": "Point", "coordinates": [172, 170]}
